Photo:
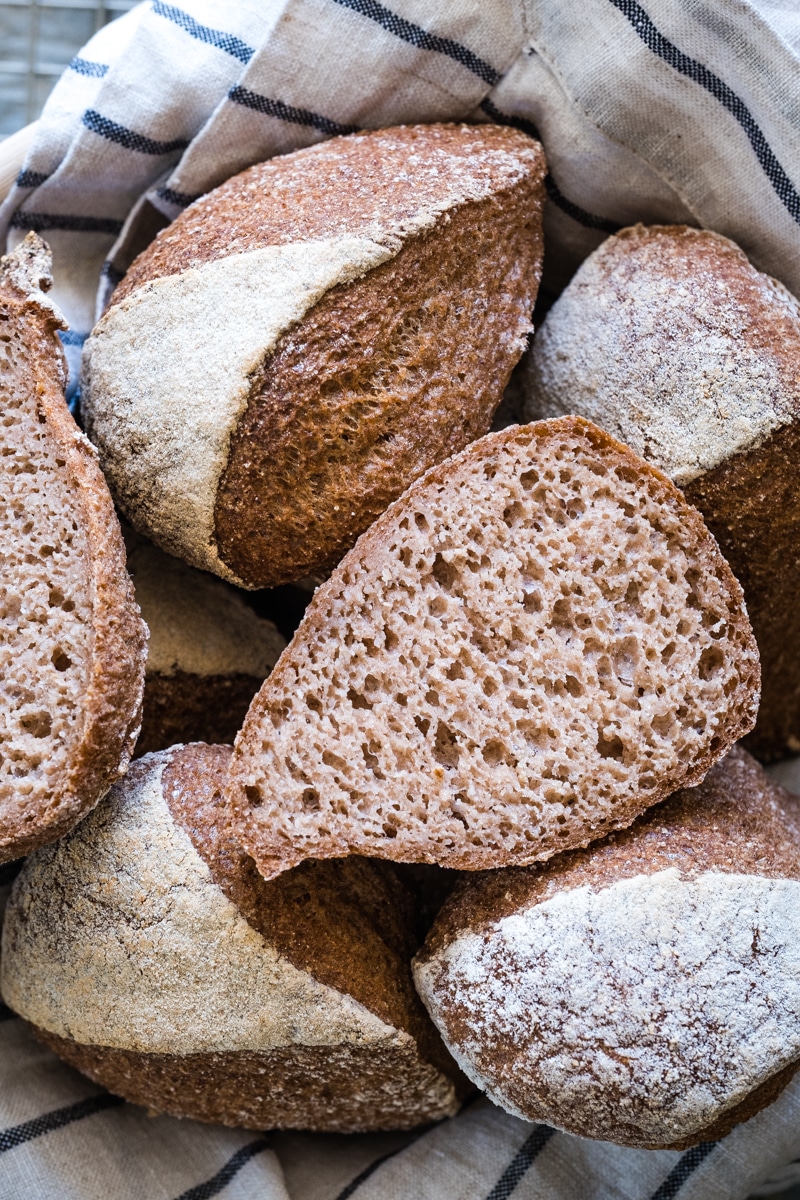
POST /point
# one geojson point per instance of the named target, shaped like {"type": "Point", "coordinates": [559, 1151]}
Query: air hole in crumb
{"type": "Point", "coordinates": [254, 797]}
{"type": "Point", "coordinates": [357, 699]}
{"type": "Point", "coordinates": [445, 747]}
{"type": "Point", "coordinates": [711, 661]}
{"type": "Point", "coordinates": [60, 660]}
{"type": "Point", "coordinates": [610, 747]}
{"type": "Point", "coordinates": [422, 724]}
{"type": "Point", "coordinates": [310, 800]}
{"type": "Point", "coordinates": [444, 572]}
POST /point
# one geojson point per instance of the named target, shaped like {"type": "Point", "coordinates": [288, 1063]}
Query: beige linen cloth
{"type": "Point", "coordinates": [660, 111]}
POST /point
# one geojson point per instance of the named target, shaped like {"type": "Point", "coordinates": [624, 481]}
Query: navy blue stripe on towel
{"type": "Point", "coordinates": [683, 1169]}
{"type": "Point", "coordinates": [214, 1185]}
{"type": "Point", "coordinates": [57, 1119]}
{"type": "Point", "coordinates": [82, 66]}
{"type": "Point", "coordinates": [287, 112]}
{"type": "Point", "coordinates": [204, 33]}
{"type": "Point", "coordinates": [694, 70]}
{"type": "Point", "coordinates": [129, 138]}
{"type": "Point", "coordinates": [39, 221]}
{"type": "Point", "coordinates": [520, 1163]}
{"type": "Point", "coordinates": [415, 35]}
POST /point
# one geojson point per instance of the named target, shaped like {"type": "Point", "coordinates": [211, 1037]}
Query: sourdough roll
{"type": "Point", "coordinates": [311, 336]}
{"type": "Point", "coordinates": [668, 338]}
{"type": "Point", "coordinates": [645, 990]}
{"type": "Point", "coordinates": [146, 950]}
{"type": "Point", "coordinates": [536, 642]}
{"type": "Point", "coordinates": [208, 653]}
{"type": "Point", "coordinates": [72, 642]}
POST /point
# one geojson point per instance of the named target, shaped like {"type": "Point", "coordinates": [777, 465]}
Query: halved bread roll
{"type": "Point", "coordinates": [72, 642]}
{"type": "Point", "coordinates": [535, 643]}
{"type": "Point", "coordinates": [146, 950]}
{"type": "Point", "coordinates": [672, 341]}
{"type": "Point", "coordinates": [645, 990]}
{"type": "Point", "coordinates": [314, 334]}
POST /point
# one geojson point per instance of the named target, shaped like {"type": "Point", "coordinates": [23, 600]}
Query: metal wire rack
{"type": "Point", "coordinates": [37, 40]}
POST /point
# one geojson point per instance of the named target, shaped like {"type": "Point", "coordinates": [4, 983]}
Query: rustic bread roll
{"type": "Point", "coordinates": [208, 653]}
{"type": "Point", "coordinates": [307, 339]}
{"type": "Point", "coordinates": [146, 950]}
{"type": "Point", "coordinates": [535, 643]}
{"type": "Point", "coordinates": [645, 990]}
{"type": "Point", "coordinates": [670, 339]}
{"type": "Point", "coordinates": [72, 643]}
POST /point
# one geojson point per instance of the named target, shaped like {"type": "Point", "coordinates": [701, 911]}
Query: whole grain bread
{"type": "Point", "coordinates": [147, 951]}
{"type": "Point", "coordinates": [72, 642]}
{"type": "Point", "coordinates": [311, 336]}
{"type": "Point", "coordinates": [208, 652]}
{"type": "Point", "coordinates": [645, 990]}
{"type": "Point", "coordinates": [668, 338]}
{"type": "Point", "coordinates": [535, 643]}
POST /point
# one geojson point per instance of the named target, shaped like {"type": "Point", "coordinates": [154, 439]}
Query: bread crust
{"type": "Point", "coordinates": [147, 951]}
{"type": "Point", "coordinates": [670, 339]}
{"type": "Point", "coordinates": [369, 375]}
{"type": "Point", "coordinates": [268, 798]}
{"type": "Point", "coordinates": [738, 825]}
{"type": "Point", "coordinates": [112, 701]}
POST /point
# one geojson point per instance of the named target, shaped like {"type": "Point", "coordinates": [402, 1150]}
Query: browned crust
{"type": "Point", "coordinates": [737, 821]}
{"type": "Point", "coordinates": [750, 504]}
{"type": "Point", "coordinates": [373, 552]}
{"type": "Point", "coordinates": [378, 383]}
{"type": "Point", "coordinates": [348, 924]}
{"type": "Point", "coordinates": [311, 194]}
{"type": "Point", "coordinates": [183, 707]}
{"type": "Point", "coordinates": [332, 1089]}
{"type": "Point", "coordinates": [113, 702]}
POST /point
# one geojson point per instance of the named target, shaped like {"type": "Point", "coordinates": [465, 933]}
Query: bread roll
{"type": "Point", "coordinates": [668, 338]}
{"type": "Point", "coordinates": [72, 643]}
{"type": "Point", "coordinates": [307, 339]}
{"type": "Point", "coordinates": [146, 950]}
{"type": "Point", "coordinates": [208, 654]}
{"type": "Point", "coordinates": [536, 642]}
{"type": "Point", "coordinates": [645, 990]}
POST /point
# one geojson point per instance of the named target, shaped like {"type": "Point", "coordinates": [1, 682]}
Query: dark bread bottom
{"type": "Point", "coordinates": [330, 1089]}
{"type": "Point", "coordinates": [193, 708]}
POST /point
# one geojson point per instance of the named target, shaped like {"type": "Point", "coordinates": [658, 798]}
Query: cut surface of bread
{"type": "Point", "coordinates": [645, 990]}
{"type": "Point", "coordinates": [539, 640]}
{"type": "Point", "coordinates": [208, 652]}
{"type": "Point", "coordinates": [672, 341]}
{"type": "Point", "coordinates": [323, 328]}
{"type": "Point", "coordinates": [72, 643]}
{"type": "Point", "coordinates": [147, 951]}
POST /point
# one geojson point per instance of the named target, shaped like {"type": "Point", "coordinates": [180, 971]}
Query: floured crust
{"type": "Point", "coordinates": [113, 640]}
{"type": "Point", "coordinates": [484, 595]}
{"type": "Point", "coordinates": [657, 971]}
{"type": "Point", "coordinates": [266, 440]}
{"type": "Point", "coordinates": [126, 944]}
{"type": "Point", "coordinates": [670, 339]}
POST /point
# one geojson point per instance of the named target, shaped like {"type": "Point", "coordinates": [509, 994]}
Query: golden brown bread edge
{"type": "Point", "coordinates": [738, 824]}
{"type": "Point", "coordinates": [387, 373]}
{"type": "Point", "coordinates": [354, 1048]}
{"type": "Point", "coordinates": [748, 326]}
{"type": "Point", "coordinates": [294, 794]}
{"type": "Point", "coordinates": [112, 701]}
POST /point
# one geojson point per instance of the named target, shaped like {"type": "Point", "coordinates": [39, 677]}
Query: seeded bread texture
{"type": "Point", "coordinates": [668, 338]}
{"type": "Point", "coordinates": [208, 653]}
{"type": "Point", "coordinates": [148, 952]}
{"type": "Point", "coordinates": [324, 327]}
{"type": "Point", "coordinates": [645, 990]}
{"type": "Point", "coordinates": [72, 643]}
{"type": "Point", "coordinates": [538, 641]}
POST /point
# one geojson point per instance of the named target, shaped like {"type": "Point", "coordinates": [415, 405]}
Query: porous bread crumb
{"type": "Point", "coordinates": [640, 1011]}
{"type": "Point", "coordinates": [198, 625]}
{"type": "Point", "coordinates": [668, 338]}
{"type": "Point", "coordinates": [118, 936]}
{"type": "Point", "coordinates": [539, 640]}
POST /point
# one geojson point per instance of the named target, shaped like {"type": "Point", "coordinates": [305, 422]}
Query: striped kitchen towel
{"type": "Point", "coordinates": [661, 111]}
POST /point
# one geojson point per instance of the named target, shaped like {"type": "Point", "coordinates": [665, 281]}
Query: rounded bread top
{"type": "Point", "coordinates": [383, 186]}
{"type": "Point", "coordinates": [198, 624]}
{"type": "Point", "coordinates": [669, 338]}
{"type": "Point", "coordinates": [640, 990]}
{"type": "Point", "coordinates": [121, 936]}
